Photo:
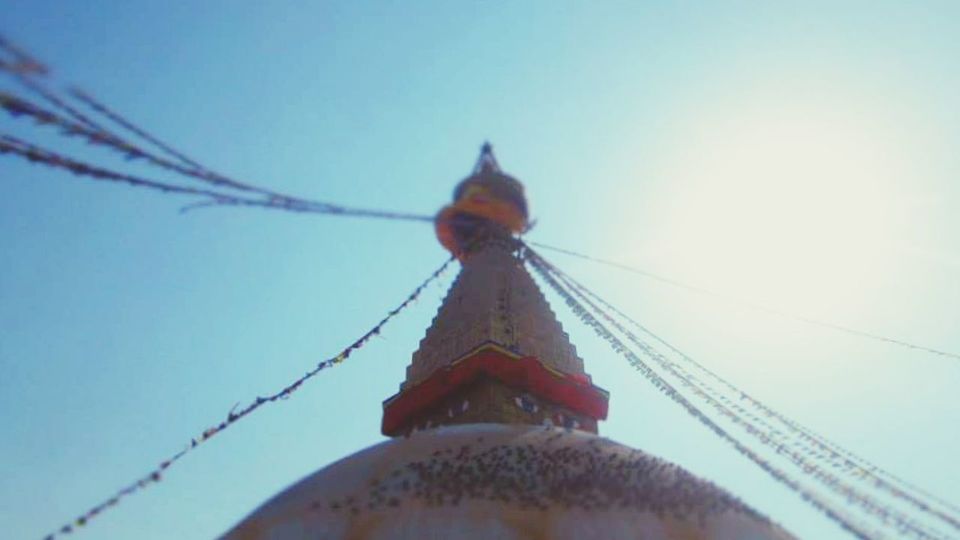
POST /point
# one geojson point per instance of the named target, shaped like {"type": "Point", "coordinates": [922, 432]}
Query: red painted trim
{"type": "Point", "coordinates": [528, 374]}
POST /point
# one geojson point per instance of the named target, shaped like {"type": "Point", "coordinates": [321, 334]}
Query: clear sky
{"type": "Point", "coordinates": [802, 155]}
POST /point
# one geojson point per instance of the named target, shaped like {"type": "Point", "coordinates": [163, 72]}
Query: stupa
{"type": "Point", "coordinates": [494, 431]}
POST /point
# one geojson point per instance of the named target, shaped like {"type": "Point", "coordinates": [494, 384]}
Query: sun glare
{"type": "Point", "coordinates": [795, 209]}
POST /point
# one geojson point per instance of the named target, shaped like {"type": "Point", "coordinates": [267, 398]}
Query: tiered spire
{"type": "Point", "coordinates": [493, 300]}
{"type": "Point", "coordinates": [495, 351]}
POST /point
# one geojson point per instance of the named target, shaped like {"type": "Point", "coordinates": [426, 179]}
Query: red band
{"type": "Point", "coordinates": [528, 374]}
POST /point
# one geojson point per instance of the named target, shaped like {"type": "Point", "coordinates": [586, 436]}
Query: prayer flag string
{"type": "Point", "coordinates": [817, 445]}
{"type": "Point", "coordinates": [233, 416]}
{"type": "Point", "coordinates": [37, 88]}
{"type": "Point", "coordinates": [22, 62]}
{"type": "Point", "coordinates": [752, 305]}
{"type": "Point", "coordinates": [204, 174]}
{"type": "Point", "coordinates": [129, 126]}
{"type": "Point", "coordinates": [824, 505]}
{"type": "Point", "coordinates": [26, 70]}
{"type": "Point", "coordinates": [36, 154]}
{"type": "Point", "coordinates": [17, 106]}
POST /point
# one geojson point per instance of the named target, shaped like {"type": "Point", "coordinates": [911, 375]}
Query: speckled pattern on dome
{"type": "Point", "coordinates": [498, 481]}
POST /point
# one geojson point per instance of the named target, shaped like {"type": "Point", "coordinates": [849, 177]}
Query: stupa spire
{"type": "Point", "coordinates": [495, 352]}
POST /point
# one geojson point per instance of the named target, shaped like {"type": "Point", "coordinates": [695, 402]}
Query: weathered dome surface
{"type": "Point", "coordinates": [495, 481]}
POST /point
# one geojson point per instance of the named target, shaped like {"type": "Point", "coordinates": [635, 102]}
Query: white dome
{"type": "Point", "coordinates": [495, 481]}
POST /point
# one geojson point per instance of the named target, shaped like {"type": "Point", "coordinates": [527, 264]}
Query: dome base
{"type": "Point", "coordinates": [507, 482]}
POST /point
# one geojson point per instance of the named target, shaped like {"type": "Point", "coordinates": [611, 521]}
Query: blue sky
{"type": "Point", "coordinates": [799, 155]}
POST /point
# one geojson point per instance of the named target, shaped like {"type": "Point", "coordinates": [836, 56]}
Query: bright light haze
{"type": "Point", "coordinates": [803, 157]}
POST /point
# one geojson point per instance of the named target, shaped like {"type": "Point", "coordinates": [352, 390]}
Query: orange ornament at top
{"type": "Point", "coordinates": [486, 200]}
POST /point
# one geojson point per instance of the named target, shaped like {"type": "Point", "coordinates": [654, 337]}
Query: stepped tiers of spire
{"type": "Point", "coordinates": [494, 428]}
{"type": "Point", "coordinates": [493, 300]}
{"type": "Point", "coordinates": [495, 353]}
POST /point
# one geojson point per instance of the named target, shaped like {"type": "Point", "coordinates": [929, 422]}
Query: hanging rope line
{"type": "Point", "coordinates": [811, 443]}
{"type": "Point", "coordinates": [37, 88]}
{"type": "Point", "coordinates": [129, 126]}
{"type": "Point", "coordinates": [205, 174]}
{"type": "Point", "coordinates": [22, 62]}
{"type": "Point", "coordinates": [765, 433]}
{"type": "Point", "coordinates": [38, 155]}
{"type": "Point", "coordinates": [35, 154]}
{"type": "Point", "coordinates": [886, 514]}
{"type": "Point", "coordinates": [838, 515]}
{"type": "Point", "coordinates": [17, 107]}
{"type": "Point", "coordinates": [25, 70]}
{"type": "Point", "coordinates": [751, 305]}
{"type": "Point", "coordinates": [856, 465]}
{"type": "Point", "coordinates": [156, 474]}
{"type": "Point", "coordinates": [193, 169]}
